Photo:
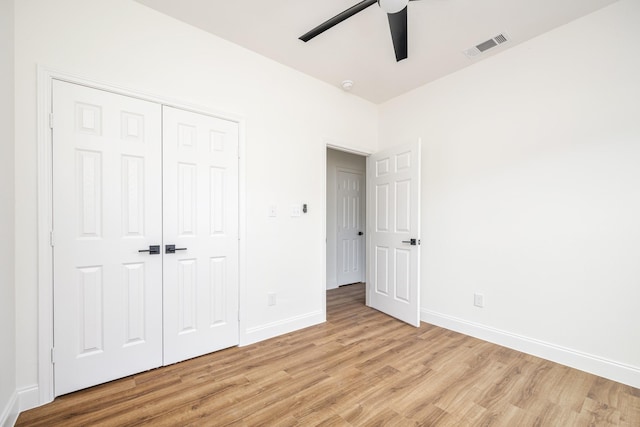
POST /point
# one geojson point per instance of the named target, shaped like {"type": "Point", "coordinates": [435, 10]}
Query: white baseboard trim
{"type": "Point", "coordinates": [29, 397]}
{"type": "Point", "coordinates": [281, 327]}
{"type": "Point", "coordinates": [10, 412]}
{"type": "Point", "coordinates": [622, 373]}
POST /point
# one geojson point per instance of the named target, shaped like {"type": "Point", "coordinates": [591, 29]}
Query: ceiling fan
{"type": "Point", "coordinates": [396, 12]}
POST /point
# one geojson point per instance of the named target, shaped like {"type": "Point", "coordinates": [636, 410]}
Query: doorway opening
{"type": "Point", "coordinates": [346, 218]}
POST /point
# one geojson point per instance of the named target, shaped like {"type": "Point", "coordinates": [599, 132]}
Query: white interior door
{"type": "Point", "coordinates": [201, 220]}
{"type": "Point", "coordinates": [350, 227]}
{"type": "Point", "coordinates": [106, 208]}
{"type": "Point", "coordinates": [393, 185]}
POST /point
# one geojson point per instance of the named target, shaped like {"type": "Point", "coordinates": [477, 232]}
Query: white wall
{"type": "Point", "coordinates": [531, 178]}
{"type": "Point", "coordinates": [288, 118]}
{"type": "Point", "coordinates": [7, 308]}
{"type": "Point", "coordinates": [337, 159]}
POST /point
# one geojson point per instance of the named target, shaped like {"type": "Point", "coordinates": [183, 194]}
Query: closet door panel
{"type": "Point", "coordinates": [107, 205]}
{"type": "Point", "coordinates": [201, 222]}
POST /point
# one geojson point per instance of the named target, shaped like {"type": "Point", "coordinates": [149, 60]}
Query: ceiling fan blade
{"type": "Point", "coordinates": [337, 19]}
{"type": "Point", "coordinates": [398, 26]}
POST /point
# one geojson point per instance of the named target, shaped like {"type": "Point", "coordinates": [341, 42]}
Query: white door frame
{"type": "Point", "coordinates": [45, 207]}
{"type": "Point", "coordinates": [340, 146]}
{"type": "Point", "coordinates": [328, 143]}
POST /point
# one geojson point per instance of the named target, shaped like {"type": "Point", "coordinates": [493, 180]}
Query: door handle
{"type": "Point", "coordinates": [153, 250]}
{"type": "Point", "coordinates": [171, 249]}
{"type": "Point", "coordinates": [360, 233]}
{"type": "Point", "coordinates": [412, 242]}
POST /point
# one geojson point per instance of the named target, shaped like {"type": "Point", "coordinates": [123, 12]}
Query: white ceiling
{"type": "Point", "coordinates": [360, 48]}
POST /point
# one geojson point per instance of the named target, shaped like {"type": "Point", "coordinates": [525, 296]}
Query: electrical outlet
{"type": "Point", "coordinates": [271, 298]}
{"type": "Point", "coordinates": [478, 300]}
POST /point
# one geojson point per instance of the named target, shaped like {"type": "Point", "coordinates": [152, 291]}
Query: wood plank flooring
{"type": "Point", "coordinates": [360, 368]}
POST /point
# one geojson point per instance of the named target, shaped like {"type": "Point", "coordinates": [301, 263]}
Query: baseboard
{"type": "Point", "coordinates": [10, 412]}
{"type": "Point", "coordinates": [281, 327]}
{"type": "Point", "coordinates": [29, 397]}
{"type": "Point", "coordinates": [596, 365]}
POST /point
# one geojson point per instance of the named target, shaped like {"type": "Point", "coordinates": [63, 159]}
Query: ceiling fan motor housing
{"type": "Point", "coordinates": [392, 6]}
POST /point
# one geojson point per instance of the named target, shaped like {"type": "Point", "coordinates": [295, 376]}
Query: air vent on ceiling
{"type": "Point", "coordinates": [486, 45]}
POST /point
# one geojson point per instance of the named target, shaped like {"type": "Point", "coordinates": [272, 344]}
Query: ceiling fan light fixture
{"type": "Point", "coordinates": [392, 6]}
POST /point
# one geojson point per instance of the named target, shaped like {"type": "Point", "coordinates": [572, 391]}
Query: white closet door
{"type": "Point", "coordinates": [350, 227]}
{"type": "Point", "coordinates": [201, 220]}
{"type": "Point", "coordinates": [106, 208]}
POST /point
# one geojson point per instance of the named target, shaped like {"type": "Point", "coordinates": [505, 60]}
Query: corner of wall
{"type": "Point", "coordinates": [281, 327]}
{"type": "Point", "coordinates": [9, 414]}
{"type": "Point", "coordinates": [8, 395]}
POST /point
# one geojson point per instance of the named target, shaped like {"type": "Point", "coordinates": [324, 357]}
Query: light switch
{"type": "Point", "coordinates": [296, 210]}
{"type": "Point", "coordinates": [273, 211]}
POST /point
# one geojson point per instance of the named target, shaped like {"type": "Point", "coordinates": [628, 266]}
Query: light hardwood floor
{"type": "Point", "coordinates": [359, 368]}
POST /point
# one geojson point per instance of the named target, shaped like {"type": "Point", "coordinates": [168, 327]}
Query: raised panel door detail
{"type": "Point", "coordinates": [134, 290]}
{"type": "Point", "coordinates": [403, 206]}
{"type": "Point", "coordinates": [216, 141]}
{"type": "Point", "coordinates": [89, 179]}
{"type": "Point", "coordinates": [350, 218]}
{"type": "Point", "coordinates": [402, 268]}
{"type": "Point", "coordinates": [186, 136]}
{"type": "Point", "coordinates": [345, 255]}
{"type": "Point", "coordinates": [355, 212]}
{"type": "Point", "coordinates": [133, 196]}
{"type": "Point", "coordinates": [382, 207]}
{"type": "Point", "coordinates": [403, 161]}
{"type": "Point", "coordinates": [88, 119]}
{"type": "Point", "coordinates": [382, 270]}
{"type": "Point", "coordinates": [217, 289]}
{"type": "Point", "coordinates": [342, 218]}
{"type": "Point", "coordinates": [132, 126]}
{"type": "Point", "coordinates": [217, 198]}
{"type": "Point", "coordinates": [382, 167]}
{"type": "Point", "coordinates": [355, 255]}
{"type": "Point", "coordinates": [186, 199]}
{"type": "Point", "coordinates": [90, 311]}
{"type": "Point", "coordinates": [187, 285]}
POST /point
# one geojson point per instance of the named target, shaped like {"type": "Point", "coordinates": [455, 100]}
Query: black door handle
{"type": "Point", "coordinates": [412, 242]}
{"type": "Point", "coordinates": [171, 249]}
{"type": "Point", "coordinates": [153, 250]}
{"type": "Point", "coordinates": [360, 233]}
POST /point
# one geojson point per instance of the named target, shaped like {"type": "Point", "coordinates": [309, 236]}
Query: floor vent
{"type": "Point", "coordinates": [486, 45]}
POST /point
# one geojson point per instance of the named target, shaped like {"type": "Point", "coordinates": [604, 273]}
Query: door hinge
{"type": "Point", "coordinates": [238, 315]}
{"type": "Point", "coordinates": [53, 355]}
{"type": "Point", "coordinates": [51, 120]}
{"type": "Point", "coordinates": [51, 239]}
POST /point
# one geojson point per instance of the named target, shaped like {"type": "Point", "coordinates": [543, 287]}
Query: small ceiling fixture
{"type": "Point", "coordinates": [347, 85]}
